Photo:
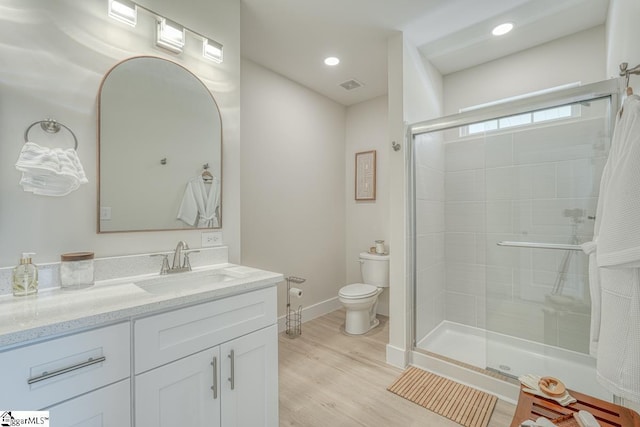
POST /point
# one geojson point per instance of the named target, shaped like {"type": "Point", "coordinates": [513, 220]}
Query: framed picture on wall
{"type": "Point", "coordinates": [366, 175]}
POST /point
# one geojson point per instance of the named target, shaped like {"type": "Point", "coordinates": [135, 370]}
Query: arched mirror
{"type": "Point", "coordinates": [160, 149]}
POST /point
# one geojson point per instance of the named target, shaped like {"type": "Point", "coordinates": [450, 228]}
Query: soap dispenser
{"type": "Point", "coordinates": [25, 276]}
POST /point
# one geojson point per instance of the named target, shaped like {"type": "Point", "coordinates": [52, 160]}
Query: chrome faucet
{"type": "Point", "coordinates": [182, 245]}
{"type": "Point", "coordinates": [180, 259]}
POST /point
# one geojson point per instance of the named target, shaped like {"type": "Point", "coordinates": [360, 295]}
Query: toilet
{"type": "Point", "coordinates": [360, 300]}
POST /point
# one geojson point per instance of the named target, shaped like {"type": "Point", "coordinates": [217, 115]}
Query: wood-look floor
{"type": "Point", "coordinates": [328, 378]}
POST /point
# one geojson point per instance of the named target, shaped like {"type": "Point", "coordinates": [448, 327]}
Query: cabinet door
{"type": "Point", "coordinates": [183, 393]}
{"type": "Point", "coordinates": [249, 372]}
{"type": "Point", "coordinates": [106, 407]}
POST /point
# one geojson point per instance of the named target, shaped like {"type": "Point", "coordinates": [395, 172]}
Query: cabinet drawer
{"type": "Point", "coordinates": [43, 374]}
{"type": "Point", "coordinates": [106, 407]}
{"type": "Point", "coordinates": [169, 336]}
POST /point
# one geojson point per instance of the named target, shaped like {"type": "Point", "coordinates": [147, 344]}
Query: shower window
{"type": "Point", "coordinates": [526, 119]}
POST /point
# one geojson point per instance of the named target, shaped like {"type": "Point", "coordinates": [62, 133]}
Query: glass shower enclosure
{"type": "Point", "coordinates": [501, 199]}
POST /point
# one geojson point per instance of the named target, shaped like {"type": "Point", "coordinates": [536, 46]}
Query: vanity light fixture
{"type": "Point", "coordinates": [124, 11]}
{"type": "Point", "coordinates": [170, 35]}
{"type": "Point", "coordinates": [212, 50]}
{"type": "Point", "coordinates": [502, 29]}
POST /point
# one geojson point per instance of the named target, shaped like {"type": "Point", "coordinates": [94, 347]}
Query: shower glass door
{"type": "Point", "coordinates": [541, 177]}
{"type": "Point", "coordinates": [501, 199]}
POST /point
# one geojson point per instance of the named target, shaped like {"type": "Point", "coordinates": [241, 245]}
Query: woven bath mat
{"type": "Point", "coordinates": [460, 403]}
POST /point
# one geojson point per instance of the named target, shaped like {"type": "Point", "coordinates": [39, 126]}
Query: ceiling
{"type": "Point", "coordinates": [292, 37]}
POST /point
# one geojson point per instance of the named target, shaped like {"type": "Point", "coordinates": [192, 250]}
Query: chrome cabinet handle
{"type": "Point", "coordinates": [232, 377]}
{"type": "Point", "coordinates": [46, 375]}
{"type": "Point", "coordinates": [214, 387]}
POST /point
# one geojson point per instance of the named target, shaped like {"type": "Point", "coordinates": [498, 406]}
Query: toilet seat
{"type": "Point", "coordinates": [357, 291]}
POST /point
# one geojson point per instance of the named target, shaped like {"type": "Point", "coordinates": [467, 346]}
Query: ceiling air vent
{"type": "Point", "coordinates": [351, 84]}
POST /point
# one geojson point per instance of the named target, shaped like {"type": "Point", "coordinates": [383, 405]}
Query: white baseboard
{"type": "Point", "coordinates": [397, 357]}
{"type": "Point", "coordinates": [311, 312]}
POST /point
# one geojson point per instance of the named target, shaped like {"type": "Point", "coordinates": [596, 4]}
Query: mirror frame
{"type": "Point", "coordinates": [99, 145]}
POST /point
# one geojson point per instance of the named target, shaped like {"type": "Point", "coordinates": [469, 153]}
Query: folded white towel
{"type": "Point", "coordinates": [540, 422]}
{"type": "Point", "coordinates": [50, 171]}
{"type": "Point", "coordinates": [531, 383]}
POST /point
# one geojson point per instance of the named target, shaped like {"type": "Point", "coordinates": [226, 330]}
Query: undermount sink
{"type": "Point", "coordinates": [187, 282]}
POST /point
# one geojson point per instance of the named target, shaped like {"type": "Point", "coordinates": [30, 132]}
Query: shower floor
{"type": "Point", "coordinates": [513, 356]}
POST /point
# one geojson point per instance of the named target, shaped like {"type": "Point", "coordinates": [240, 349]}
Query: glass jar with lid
{"type": "Point", "coordinates": [76, 270]}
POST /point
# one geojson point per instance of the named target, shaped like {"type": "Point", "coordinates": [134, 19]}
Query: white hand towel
{"type": "Point", "coordinates": [50, 171]}
{"type": "Point", "coordinates": [564, 399]}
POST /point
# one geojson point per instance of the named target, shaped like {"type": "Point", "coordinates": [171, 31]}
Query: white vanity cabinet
{"type": "Point", "coordinates": [119, 355]}
{"type": "Point", "coordinates": [89, 372]}
{"type": "Point", "coordinates": [212, 364]}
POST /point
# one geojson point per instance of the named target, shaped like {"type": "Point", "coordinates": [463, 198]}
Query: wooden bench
{"type": "Point", "coordinates": [531, 407]}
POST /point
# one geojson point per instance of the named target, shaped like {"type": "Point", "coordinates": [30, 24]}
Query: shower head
{"type": "Point", "coordinates": [576, 214]}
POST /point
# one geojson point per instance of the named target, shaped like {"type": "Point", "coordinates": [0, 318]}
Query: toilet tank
{"type": "Point", "coordinates": [374, 269]}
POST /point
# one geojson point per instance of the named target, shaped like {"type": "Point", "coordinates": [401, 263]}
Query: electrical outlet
{"type": "Point", "coordinates": [105, 213]}
{"type": "Point", "coordinates": [211, 238]}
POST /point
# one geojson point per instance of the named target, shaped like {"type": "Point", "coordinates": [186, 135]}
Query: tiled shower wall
{"type": "Point", "coordinates": [537, 184]}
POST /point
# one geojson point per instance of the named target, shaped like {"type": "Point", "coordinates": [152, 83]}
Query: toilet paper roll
{"type": "Point", "coordinates": [295, 292]}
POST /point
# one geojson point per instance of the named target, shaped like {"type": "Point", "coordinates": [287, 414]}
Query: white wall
{"type": "Point", "coordinates": [293, 183]}
{"type": "Point", "coordinates": [415, 90]}
{"type": "Point", "coordinates": [366, 221]}
{"type": "Point", "coordinates": [54, 56]}
{"type": "Point", "coordinates": [423, 87]}
{"type": "Point", "coordinates": [576, 58]}
{"type": "Point", "coordinates": [623, 33]}
{"type": "Point", "coordinates": [423, 92]}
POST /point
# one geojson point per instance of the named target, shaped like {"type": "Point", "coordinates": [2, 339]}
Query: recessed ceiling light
{"type": "Point", "coordinates": [502, 29]}
{"type": "Point", "coordinates": [331, 61]}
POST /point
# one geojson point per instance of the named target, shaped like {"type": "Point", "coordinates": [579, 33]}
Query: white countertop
{"type": "Point", "coordinates": [57, 311]}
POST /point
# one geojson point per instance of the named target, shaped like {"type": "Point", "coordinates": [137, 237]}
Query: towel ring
{"type": "Point", "coordinates": [50, 126]}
